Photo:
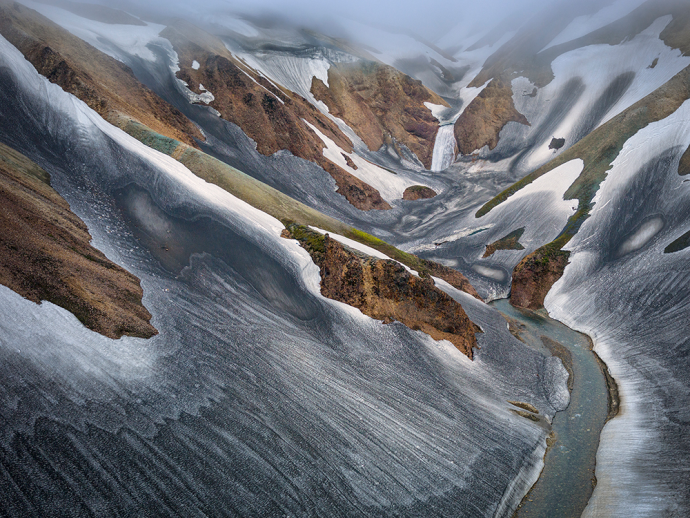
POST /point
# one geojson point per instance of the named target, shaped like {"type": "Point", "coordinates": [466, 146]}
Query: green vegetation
{"type": "Point", "coordinates": [314, 242]}
{"type": "Point", "coordinates": [265, 198]}
{"type": "Point", "coordinates": [598, 150]}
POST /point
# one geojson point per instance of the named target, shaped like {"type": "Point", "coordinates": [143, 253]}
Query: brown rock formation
{"type": "Point", "coordinates": [385, 290]}
{"type": "Point", "coordinates": [270, 115]}
{"type": "Point", "coordinates": [484, 118]}
{"type": "Point", "coordinates": [45, 255]}
{"type": "Point", "coordinates": [105, 84]}
{"type": "Point", "coordinates": [418, 192]}
{"type": "Point", "coordinates": [378, 102]}
{"type": "Point", "coordinates": [534, 276]}
{"type": "Point", "coordinates": [509, 242]}
{"type": "Point", "coordinates": [452, 277]}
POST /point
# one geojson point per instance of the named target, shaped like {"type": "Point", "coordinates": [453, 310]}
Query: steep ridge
{"type": "Point", "coordinates": [269, 114]}
{"type": "Point", "coordinates": [523, 54]}
{"type": "Point", "coordinates": [485, 117]}
{"type": "Point", "coordinates": [385, 290]}
{"type": "Point", "coordinates": [105, 84]}
{"type": "Point", "coordinates": [45, 255]}
{"type": "Point", "coordinates": [382, 105]}
{"type": "Point", "coordinates": [282, 207]}
{"type": "Point", "coordinates": [597, 150]}
{"type": "Point", "coordinates": [528, 56]}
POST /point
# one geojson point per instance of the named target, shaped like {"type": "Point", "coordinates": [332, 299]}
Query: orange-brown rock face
{"type": "Point", "coordinates": [418, 192]}
{"type": "Point", "coordinates": [45, 255]}
{"type": "Point", "coordinates": [484, 118]}
{"type": "Point", "coordinates": [268, 114]}
{"type": "Point", "coordinates": [106, 85]}
{"type": "Point", "coordinates": [379, 102]}
{"type": "Point", "coordinates": [385, 290]}
{"type": "Point", "coordinates": [452, 277]}
{"type": "Point", "coordinates": [534, 276]}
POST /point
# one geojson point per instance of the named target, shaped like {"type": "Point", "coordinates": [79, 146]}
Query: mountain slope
{"type": "Point", "coordinates": [45, 254]}
{"type": "Point", "coordinates": [105, 84]}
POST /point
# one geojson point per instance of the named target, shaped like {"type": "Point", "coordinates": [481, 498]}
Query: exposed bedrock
{"type": "Point", "coordinates": [508, 242]}
{"type": "Point", "coordinates": [103, 83]}
{"type": "Point", "coordinates": [534, 276]}
{"type": "Point", "coordinates": [482, 121]}
{"type": "Point", "coordinates": [381, 103]}
{"type": "Point", "coordinates": [45, 255]}
{"type": "Point", "coordinates": [418, 192]}
{"type": "Point", "coordinates": [269, 114]}
{"type": "Point", "coordinates": [385, 290]}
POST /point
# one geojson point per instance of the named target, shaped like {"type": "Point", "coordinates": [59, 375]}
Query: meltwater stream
{"type": "Point", "coordinates": [567, 481]}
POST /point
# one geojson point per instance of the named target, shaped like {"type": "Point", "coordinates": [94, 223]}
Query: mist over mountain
{"type": "Point", "coordinates": [295, 258]}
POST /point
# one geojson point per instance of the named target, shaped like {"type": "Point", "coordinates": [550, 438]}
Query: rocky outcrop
{"type": "Point", "coordinates": [270, 115]}
{"type": "Point", "coordinates": [534, 276]}
{"type": "Point", "coordinates": [452, 277]}
{"type": "Point", "coordinates": [382, 105]}
{"type": "Point", "coordinates": [45, 255]}
{"type": "Point", "coordinates": [509, 242]}
{"type": "Point", "coordinates": [108, 86]}
{"type": "Point", "coordinates": [385, 290]}
{"type": "Point", "coordinates": [418, 192]}
{"type": "Point", "coordinates": [556, 143]}
{"type": "Point", "coordinates": [484, 118]}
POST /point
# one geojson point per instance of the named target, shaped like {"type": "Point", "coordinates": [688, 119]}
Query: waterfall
{"type": "Point", "coordinates": [444, 148]}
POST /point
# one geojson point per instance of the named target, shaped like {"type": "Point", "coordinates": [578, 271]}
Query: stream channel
{"type": "Point", "coordinates": [567, 480]}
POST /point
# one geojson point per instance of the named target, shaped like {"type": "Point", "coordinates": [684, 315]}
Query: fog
{"type": "Point", "coordinates": [430, 19]}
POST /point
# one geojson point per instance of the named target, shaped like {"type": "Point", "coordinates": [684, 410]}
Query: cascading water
{"type": "Point", "coordinates": [444, 148]}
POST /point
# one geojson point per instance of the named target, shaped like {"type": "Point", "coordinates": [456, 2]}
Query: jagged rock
{"type": "Point", "coordinates": [45, 255]}
{"type": "Point", "coordinates": [270, 115]}
{"type": "Point", "coordinates": [484, 118]}
{"type": "Point", "coordinates": [534, 276]}
{"type": "Point", "coordinates": [684, 164]}
{"type": "Point", "coordinates": [418, 192]}
{"type": "Point", "coordinates": [509, 242]}
{"type": "Point", "coordinates": [108, 86]}
{"type": "Point", "coordinates": [385, 290]}
{"type": "Point", "coordinates": [379, 102]}
{"type": "Point", "coordinates": [556, 143]}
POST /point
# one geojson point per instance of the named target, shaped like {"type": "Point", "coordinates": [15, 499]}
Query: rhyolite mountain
{"type": "Point", "coordinates": [245, 266]}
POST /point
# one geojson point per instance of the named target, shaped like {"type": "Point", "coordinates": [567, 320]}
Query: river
{"type": "Point", "coordinates": [567, 480]}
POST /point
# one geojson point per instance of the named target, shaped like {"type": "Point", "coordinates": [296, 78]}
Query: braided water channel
{"type": "Point", "coordinates": [567, 480]}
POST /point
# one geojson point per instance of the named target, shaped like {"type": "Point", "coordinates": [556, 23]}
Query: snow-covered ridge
{"type": "Point", "coordinates": [615, 75]}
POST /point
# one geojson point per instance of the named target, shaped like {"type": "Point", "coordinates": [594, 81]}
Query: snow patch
{"type": "Point", "coordinates": [391, 186]}
{"type": "Point", "coordinates": [196, 65]}
{"type": "Point", "coordinates": [110, 39]}
{"type": "Point", "coordinates": [583, 25]}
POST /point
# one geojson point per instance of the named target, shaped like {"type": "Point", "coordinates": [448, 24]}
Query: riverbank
{"type": "Point", "coordinates": [567, 480]}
